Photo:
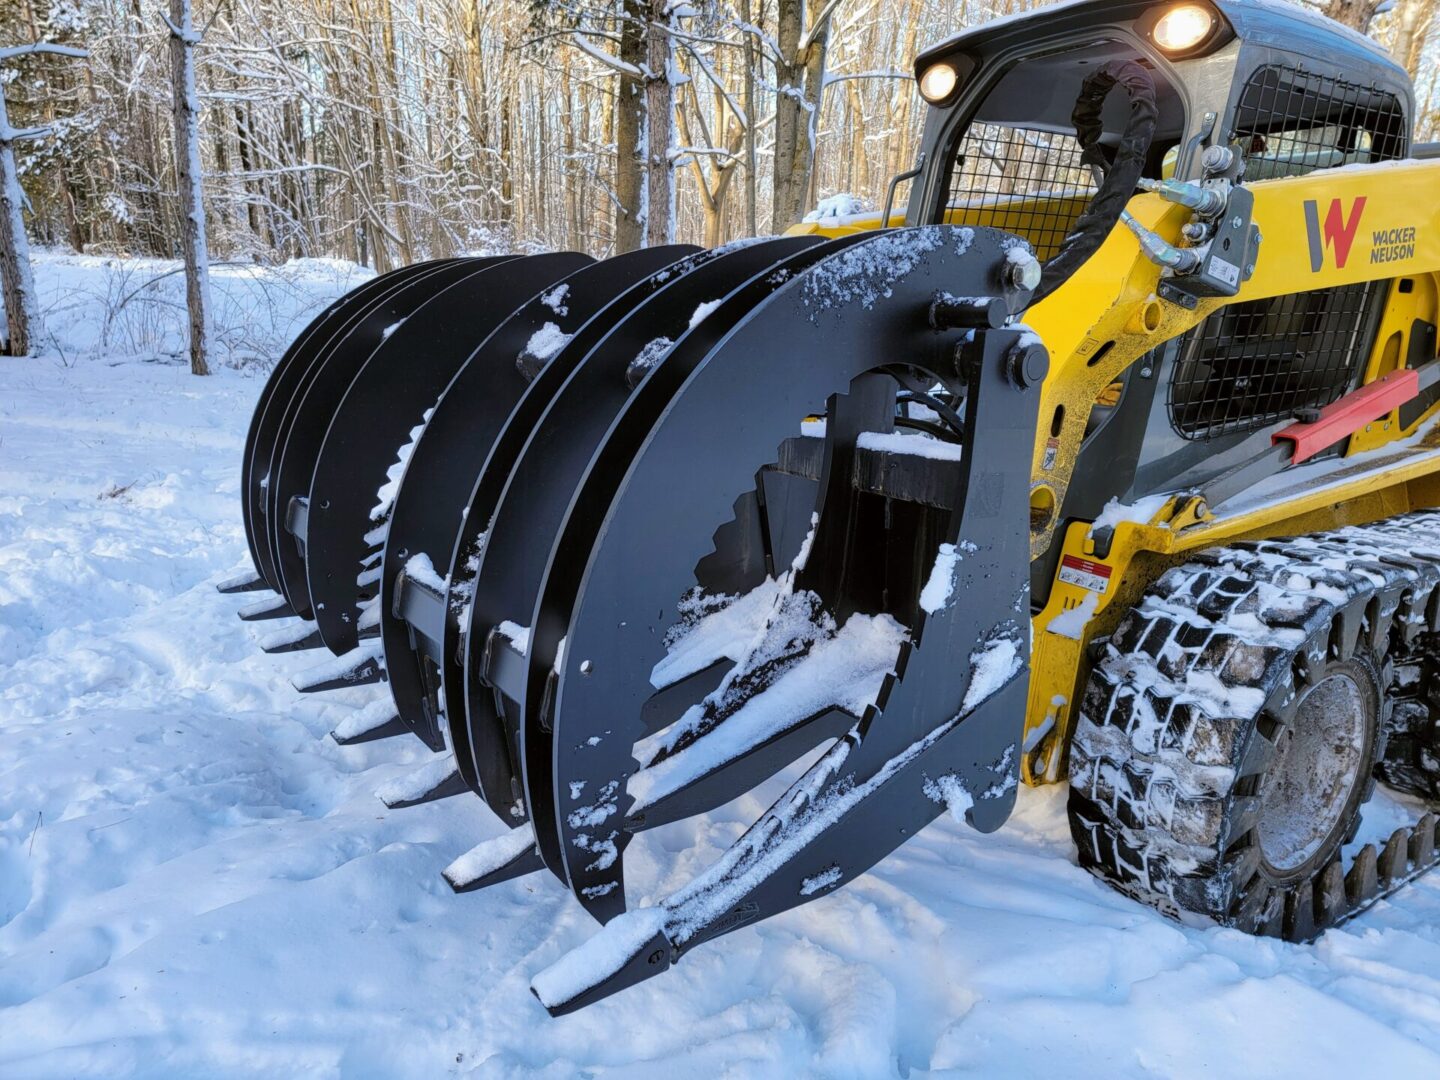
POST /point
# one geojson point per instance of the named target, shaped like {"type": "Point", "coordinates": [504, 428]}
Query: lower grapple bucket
{"type": "Point", "coordinates": [630, 539]}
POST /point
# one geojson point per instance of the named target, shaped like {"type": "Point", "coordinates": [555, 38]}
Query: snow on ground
{"type": "Point", "coordinates": [195, 881]}
{"type": "Point", "coordinates": [98, 305]}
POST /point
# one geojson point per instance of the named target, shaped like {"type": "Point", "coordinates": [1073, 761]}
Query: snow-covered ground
{"type": "Point", "coordinates": [196, 882]}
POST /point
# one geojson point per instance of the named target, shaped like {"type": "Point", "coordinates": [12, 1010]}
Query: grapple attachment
{"type": "Point", "coordinates": [660, 529]}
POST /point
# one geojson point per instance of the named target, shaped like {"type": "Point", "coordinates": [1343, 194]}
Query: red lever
{"type": "Point", "coordinates": [1351, 413]}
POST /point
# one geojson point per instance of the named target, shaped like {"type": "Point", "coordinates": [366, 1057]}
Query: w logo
{"type": "Point", "coordinates": [1337, 232]}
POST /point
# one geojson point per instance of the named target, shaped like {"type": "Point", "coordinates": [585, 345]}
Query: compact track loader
{"type": "Point", "coordinates": [1111, 458]}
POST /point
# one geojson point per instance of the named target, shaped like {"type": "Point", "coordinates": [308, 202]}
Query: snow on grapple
{"type": "Point", "coordinates": [625, 539]}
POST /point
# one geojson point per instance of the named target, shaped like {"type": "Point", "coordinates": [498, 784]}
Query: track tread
{"type": "Point", "coordinates": [1167, 752]}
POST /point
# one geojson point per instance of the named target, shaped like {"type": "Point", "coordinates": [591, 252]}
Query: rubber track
{"type": "Point", "coordinates": [1151, 770]}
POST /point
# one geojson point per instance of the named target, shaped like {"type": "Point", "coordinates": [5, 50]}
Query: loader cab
{"type": "Point", "coordinates": [1298, 93]}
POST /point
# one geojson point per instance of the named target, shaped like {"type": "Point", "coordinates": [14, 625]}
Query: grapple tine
{"type": "Point", "coordinates": [375, 721]}
{"type": "Point", "coordinates": [684, 464]}
{"type": "Point", "coordinates": [938, 733]}
{"type": "Point", "coordinates": [537, 490]}
{"type": "Point", "coordinates": [443, 467]}
{"type": "Point", "coordinates": [265, 609]}
{"type": "Point", "coordinates": [388, 397]}
{"type": "Point", "coordinates": [438, 779]}
{"type": "Point", "coordinates": [502, 858]}
{"type": "Point", "coordinates": [361, 666]}
{"type": "Point", "coordinates": [279, 387]}
{"type": "Point", "coordinates": [298, 638]}
{"type": "Point", "coordinates": [569, 408]}
{"type": "Point", "coordinates": [325, 368]}
{"type": "Point", "coordinates": [248, 581]}
{"type": "Point", "coordinates": [569, 795]}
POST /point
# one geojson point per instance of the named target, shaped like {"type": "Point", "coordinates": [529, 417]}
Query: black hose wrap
{"type": "Point", "coordinates": [1103, 212]}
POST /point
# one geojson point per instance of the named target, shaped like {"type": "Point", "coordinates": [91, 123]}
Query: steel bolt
{"type": "Point", "coordinates": [1024, 273]}
{"type": "Point", "coordinates": [1028, 365]}
{"type": "Point", "coordinates": [1236, 221]}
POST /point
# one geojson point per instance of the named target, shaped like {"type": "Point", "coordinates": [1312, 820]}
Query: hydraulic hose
{"type": "Point", "coordinates": [1120, 176]}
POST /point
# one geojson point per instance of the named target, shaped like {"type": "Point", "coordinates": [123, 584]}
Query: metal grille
{"type": "Point", "coordinates": [1254, 364]}
{"type": "Point", "coordinates": [1022, 180]}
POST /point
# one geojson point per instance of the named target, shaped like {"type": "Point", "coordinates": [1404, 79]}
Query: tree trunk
{"type": "Point", "coordinates": [800, 79]}
{"type": "Point", "coordinates": [660, 127]}
{"type": "Point", "coordinates": [631, 138]}
{"type": "Point", "coordinates": [1410, 34]}
{"type": "Point", "coordinates": [1356, 14]}
{"type": "Point", "coordinates": [22, 309]}
{"type": "Point", "coordinates": [187, 171]}
{"type": "Point", "coordinates": [751, 181]}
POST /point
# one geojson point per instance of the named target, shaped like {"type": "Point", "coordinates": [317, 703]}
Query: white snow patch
{"type": "Point", "coordinates": [948, 789]}
{"type": "Point", "coordinates": [820, 882]}
{"type": "Point", "coordinates": [486, 858]}
{"type": "Point", "coordinates": [846, 671]}
{"type": "Point", "coordinates": [896, 442]}
{"type": "Point", "coordinates": [519, 636]}
{"type": "Point", "coordinates": [547, 341]}
{"type": "Point", "coordinates": [938, 587]}
{"type": "Point", "coordinates": [555, 299]}
{"type": "Point", "coordinates": [843, 205]}
{"type": "Point", "coordinates": [609, 950]}
{"type": "Point", "coordinates": [1071, 624]}
{"type": "Point", "coordinates": [991, 667]}
{"type": "Point", "coordinates": [1139, 512]}
{"type": "Point", "coordinates": [867, 272]}
{"type": "Point", "coordinates": [702, 312]}
{"type": "Point", "coordinates": [419, 568]}
{"type": "Point", "coordinates": [415, 785]}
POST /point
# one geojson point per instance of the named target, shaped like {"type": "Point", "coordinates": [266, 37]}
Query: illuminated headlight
{"type": "Point", "coordinates": [1183, 27]}
{"type": "Point", "coordinates": [938, 82]}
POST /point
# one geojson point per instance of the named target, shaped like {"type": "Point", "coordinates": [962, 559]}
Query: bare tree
{"type": "Point", "coordinates": [800, 79]}
{"type": "Point", "coordinates": [183, 40]}
{"type": "Point", "coordinates": [22, 308]}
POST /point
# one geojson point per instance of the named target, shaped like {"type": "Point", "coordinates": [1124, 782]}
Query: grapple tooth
{"type": "Point", "coordinates": [275, 395]}
{"type": "Point", "coordinates": [671, 468]}
{"type": "Point", "coordinates": [361, 666]}
{"type": "Point", "coordinates": [536, 463]}
{"type": "Point", "coordinates": [502, 858]}
{"type": "Point", "coordinates": [457, 444]}
{"type": "Point", "coordinates": [249, 581]}
{"type": "Point", "coordinates": [267, 608]}
{"type": "Point", "coordinates": [298, 638]}
{"type": "Point", "coordinates": [436, 780]}
{"type": "Point", "coordinates": [295, 422]}
{"type": "Point", "coordinates": [377, 720]}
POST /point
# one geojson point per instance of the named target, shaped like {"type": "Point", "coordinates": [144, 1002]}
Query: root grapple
{"type": "Point", "coordinates": [626, 539]}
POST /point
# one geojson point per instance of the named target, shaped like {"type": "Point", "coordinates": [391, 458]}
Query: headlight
{"type": "Point", "coordinates": [1183, 27]}
{"type": "Point", "coordinates": [938, 82]}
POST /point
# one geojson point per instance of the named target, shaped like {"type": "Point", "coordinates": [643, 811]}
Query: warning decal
{"type": "Point", "coordinates": [1084, 573]}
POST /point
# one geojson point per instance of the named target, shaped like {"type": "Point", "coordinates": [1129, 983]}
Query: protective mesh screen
{"type": "Point", "coordinates": [1254, 364]}
{"type": "Point", "coordinates": [1027, 182]}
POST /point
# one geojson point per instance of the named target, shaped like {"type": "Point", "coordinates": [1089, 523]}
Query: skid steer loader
{"type": "Point", "coordinates": [1110, 458]}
